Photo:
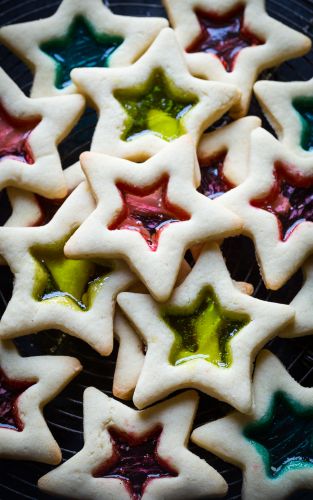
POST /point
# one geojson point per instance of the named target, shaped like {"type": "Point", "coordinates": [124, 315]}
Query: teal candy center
{"type": "Point", "coordinates": [158, 107]}
{"type": "Point", "coordinates": [283, 436]}
{"type": "Point", "coordinates": [304, 107]}
{"type": "Point", "coordinates": [73, 283]}
{"type": "Point", "coordinates": [203, 330]}
{"type": "Point", "coordinates": [81, 47]}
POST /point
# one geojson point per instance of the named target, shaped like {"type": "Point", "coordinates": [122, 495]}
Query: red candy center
{"type": "Point", "coordinates": [10, 390]}
{"type": "Point", "coordinates": [213, 181]}
{"type": "Point", "coordinates": [14, 134]}
{"type": "Point", "coordinates": [147, 211]}
{"type": "Point", "coordinates": [290, 200]}
{"type": "Point", "coordinates": [223, 36]}
{"type": "Point", "coordinates": [135, 462]}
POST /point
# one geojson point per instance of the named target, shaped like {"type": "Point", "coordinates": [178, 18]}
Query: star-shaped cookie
{"type": "Point", "coordinates": [51, 291]}
{"type": "Point", "coordinates": [273, 445]}
{"type": "Point", "coordinates": [154, 101]}
{"type": "Point", "coordinates": [205, 337]}
{"type": "Point", "coordinates": [135, 454]}
{"type": "Point", "coordinates": [79, 34]}
{"type": "Point", "coordinates": [224, 156]}
{"type": "Point", "coordinates": [148, 214]}
{"type": "Point", "coordinates": [275, 204]}
{"type": "Point", "coordinates": [30, 130]}
{"type": "Point", "coordinates": [231, 41]}
{"type": "Point", "coordinates": [26, 386]}
{"type": "Point", "coordinates": [289, 109]}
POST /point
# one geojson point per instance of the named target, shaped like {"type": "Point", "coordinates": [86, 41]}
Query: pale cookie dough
{"type": "Point", "coordinates": [275, 220]}
{"type": "Point", "coordinates": [200, 103]}
{"type": "Point", "coordinates": [166, 184]}
{"type": "Point", "coordinates": [34, 381]}
{"type": "Point", "coordinates": [109, 469]}
{"type": "Point", "coordinates": [277, 42]}
{"type": "Point", "coordinates": [223, 156]}
{"type": "Point", "coordinates": [27, 40]}
{"type": "Point", "coordinates": [42, 125]}
{"type": "Point", "coordinates": [51, 291]}
{"type": "Point", "coordinates": [215, 351]}
{"type": "Point", "coordinates": [275, 454]}
{"type": "Point", "coordinates": [289, 108]}
{"type": "Point", "coordinates": [303, 306]}
{"type": "Point", "coordinates": [130, 358]}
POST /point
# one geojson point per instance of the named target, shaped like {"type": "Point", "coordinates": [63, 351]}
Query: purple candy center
{"type": "Point", "coordinates": [223, 36]}
{"type": "Point", "coordinates": [135, 461]}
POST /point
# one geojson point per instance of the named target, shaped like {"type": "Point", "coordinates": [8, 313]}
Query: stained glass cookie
{"type": "Point", "coordinates": [26, 386]}
{"type": "Point", "coordinates": [273, 445]}
{"type": "Point", "coordinates": [156, 100]}
{"type": "Point", "coordinates": [275, 204]}
{"type": "Point", "coordinates": [205, 337]}
{"type": "Point", "coordinates": [30, 130]}
{"type": "Point", "coordinates": [148, 214]}
{"type": "Point", "coordinates": [232, 42]}
{"type": "Point", "coordinates": [51, 291]}
{"type": "Point", "coordinates": [130, 454]}
{"type": "Point", "coordinates": [289, 108]}
{"type": "Point", "coordinates": [80, 34]}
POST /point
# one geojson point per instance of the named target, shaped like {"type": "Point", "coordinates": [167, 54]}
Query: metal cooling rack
{"type": "Point", "coordinates": [64, 415]}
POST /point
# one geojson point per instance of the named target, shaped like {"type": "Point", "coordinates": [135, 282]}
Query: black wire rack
{"type": "Point", "coordinates": [64, 415]}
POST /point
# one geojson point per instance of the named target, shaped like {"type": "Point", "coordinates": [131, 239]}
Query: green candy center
{"type": "Point", "coordinates": [81, 47]}
{"type": "Point", "coordinates": [158, 107]}
{"type": "Point", "coordinates": [304, 107]}
{"type": "Point", "coordinates": [203, 330]}
{"type": "Point", "coordinates": [74, 283]}
{"type": "Point", "coordinates": [283, 436]}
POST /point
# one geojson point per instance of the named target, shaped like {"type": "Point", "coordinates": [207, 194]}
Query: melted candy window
{"type": "Point", "coordinates": [135, 462]}
{"type": "Point", "coordinates": [213, 182]}
{"type": "Point", "coordinates": [203, 330]}
{"type": "Point", "coordinates": [81, 47]}
{"type": "Point", "coordinates": [14, 135]}
{"type": "Point", "coordinates": [158, 107]}
{"type": "Point", "coordinates": [304, 106]}
{"type": "Point", "coordinates": [71, 282]}
{"type": "Point", "coordinates": [223, 36]}
{"type": "Point", "coordinates": [10, 390]}
{"type": "Point", "coordinates": [291, 200]}
{"type": "Point", "coordinates": [284, 436]}
{"type": "Point", "coordinates": [148, 212]}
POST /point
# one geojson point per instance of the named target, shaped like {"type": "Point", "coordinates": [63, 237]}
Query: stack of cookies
{"type": "Point", "coordinates": [125, 245]}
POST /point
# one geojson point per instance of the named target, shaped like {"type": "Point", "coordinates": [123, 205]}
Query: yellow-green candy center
{"type": "Point", "coordinates": [158, 107]}
{"type": "Point", "coordinates": [203, 330]}
{"type": "Point", "coordinates": [74, 283]}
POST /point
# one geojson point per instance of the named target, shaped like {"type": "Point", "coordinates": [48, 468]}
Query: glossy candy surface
{"type": "Point", "coordinates": [148, 212]}
{"type": "Point", "coordinates": [304, 106]}
{"type": "Point", "coordinates": [14, 135]}
{"type": "Point", "coordinates": [10, 390]}
{"type": "Point", "coordinates": [135, 462]}
{"type": "Point", "coordinates": [74, 283]}
{"type": "Point", "coordinates": [290, 200]}
{"type": "Point", "coordinates": [158, 107]}
{"type": "Point", "coordinates": [223, 36]}
{"type": "Point", "coordinates": [203, 330]}
{"type": "Point", "coordinates": [81, 47]}
{"type": "Point", "coordinates": [213, 182]}
{"type": "Point", "coordinates": [284, 436]}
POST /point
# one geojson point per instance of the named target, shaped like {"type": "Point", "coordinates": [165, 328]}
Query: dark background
{"type": "Point", "coordinates": [64, 415]}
